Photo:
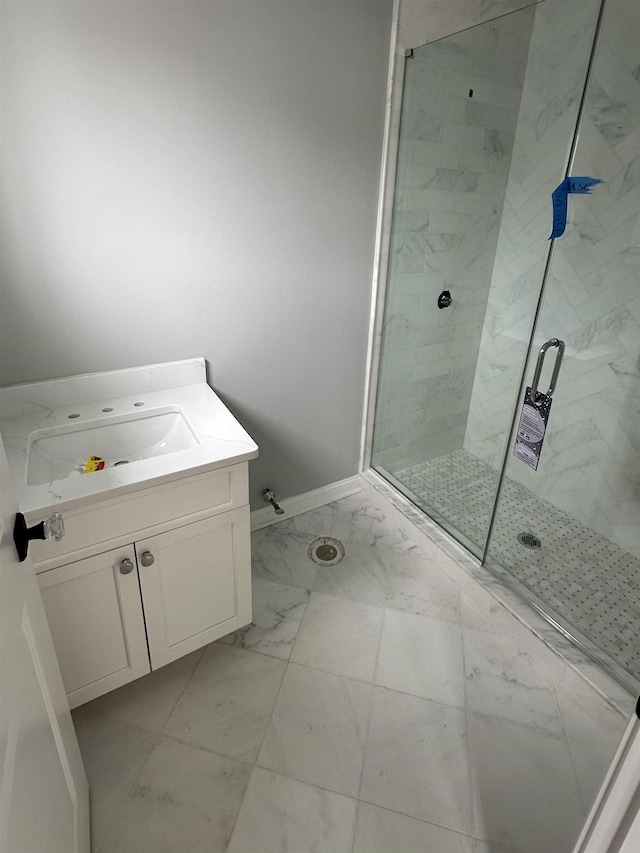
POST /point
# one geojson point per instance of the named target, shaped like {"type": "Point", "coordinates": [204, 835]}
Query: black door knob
{"type": "Point", "coordinates": [52, 528]}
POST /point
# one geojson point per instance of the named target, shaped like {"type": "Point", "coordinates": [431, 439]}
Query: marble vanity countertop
{"type": "Point", "coordinates": [179, 386]}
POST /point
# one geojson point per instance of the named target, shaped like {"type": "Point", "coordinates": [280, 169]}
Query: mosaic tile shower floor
{"type": "Point", "coordinates": [589, 582]}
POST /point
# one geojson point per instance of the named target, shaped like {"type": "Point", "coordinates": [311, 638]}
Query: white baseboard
{"type": "Point", "coordinates": [305, 502]}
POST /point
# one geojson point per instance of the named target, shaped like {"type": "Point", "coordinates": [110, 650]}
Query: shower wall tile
{"type": "Point", "coordinates": [422, 21]}
{"type": "Point", "coordinates": [589, 464]}
{"type": "Point", "coordinates": [453, 166]}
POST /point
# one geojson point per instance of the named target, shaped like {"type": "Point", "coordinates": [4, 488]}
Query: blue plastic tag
{"type": "Point", "coordinates": [579, 186]}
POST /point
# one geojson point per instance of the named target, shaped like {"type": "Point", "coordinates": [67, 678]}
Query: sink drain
{"type": "Point", "coordinates": [326, 551]}
{"type": "Point", "coordinates": [529, 540]}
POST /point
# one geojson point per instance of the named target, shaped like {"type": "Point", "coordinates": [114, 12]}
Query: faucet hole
{"type": "Point", "coordinates": [74, 415]}
{"type": "Point", "coordinates": [108, 409]}
{"type": "Point", "coordinates": [138, 404]}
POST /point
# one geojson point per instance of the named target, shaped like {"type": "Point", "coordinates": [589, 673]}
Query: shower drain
{"type": "Point", "coordinates": [529, 540]}
{"type": "Point", "coordinates": [326, 551]}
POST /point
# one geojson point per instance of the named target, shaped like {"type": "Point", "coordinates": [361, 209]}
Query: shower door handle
{"type": "Point", "coordinates": [552, 342]}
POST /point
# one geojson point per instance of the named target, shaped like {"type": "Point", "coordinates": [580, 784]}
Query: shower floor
{"type": "Point", "coordinates": [588, 584]}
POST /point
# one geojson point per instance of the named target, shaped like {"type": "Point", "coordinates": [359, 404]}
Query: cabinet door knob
{"type": "Point", "coordinates": [147, 558]}
{"type": "Point", "coordinates": [126, 566]}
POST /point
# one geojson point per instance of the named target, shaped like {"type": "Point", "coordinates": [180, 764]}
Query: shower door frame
{"type": "Point", "coordinates": [384, 221]}
{"type": "Point", "coordinates": [613, 823]}
{"type": "Point", "coordinates": [386, 196]}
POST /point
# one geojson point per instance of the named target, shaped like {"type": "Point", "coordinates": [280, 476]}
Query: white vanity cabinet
{"type": "Point", "coordinates": [165, 589]}
{"type": "Point", "coordinates": [95, 617]}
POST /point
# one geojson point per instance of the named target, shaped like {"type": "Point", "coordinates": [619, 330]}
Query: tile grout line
{"type": "Point", "coordinates": [186, 684]}
{"type": "Point", "coordinates": [118, 811]}
{"type": "Point", "coordinates": [570, 748]}
{"type": "Point", "coordinates": [472, 796]}
{"type": "Point", "coordinates": [374, 687]}
{"type": "Point", "coordinates": [255, 764]}
{"type": "Point", "coordinates": [156, 740]}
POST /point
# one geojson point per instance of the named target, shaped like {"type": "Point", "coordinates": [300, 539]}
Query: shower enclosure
{"type": "Point", "coordinates": [493, 120]}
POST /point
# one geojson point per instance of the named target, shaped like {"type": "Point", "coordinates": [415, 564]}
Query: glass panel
{"type": "Point", "coordinates": [583, 503]}
{"type": "Point", "coordinates": [488, 109]}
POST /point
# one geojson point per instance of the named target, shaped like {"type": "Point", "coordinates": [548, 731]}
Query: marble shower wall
{"type": "Point", "coordinates": [461, 99]}
{"type": "Point", "coordinates": [422, 21]}
{"type": "Point", "coordinates": [558, 58]}
{"type": "Point", "coordinates": [590, 466]}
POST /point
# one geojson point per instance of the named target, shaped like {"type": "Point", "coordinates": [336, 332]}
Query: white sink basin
{"type": "Point", "coordinates": [62, 452]}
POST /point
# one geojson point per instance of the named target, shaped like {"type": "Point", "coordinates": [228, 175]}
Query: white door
{"type": "Point", "coordinates": [44, 798]}
{"type": "Point", "coordinates": [613, 825]}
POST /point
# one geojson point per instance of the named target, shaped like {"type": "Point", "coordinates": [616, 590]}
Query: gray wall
{"type": "Point", "coordinates": [199, 178]}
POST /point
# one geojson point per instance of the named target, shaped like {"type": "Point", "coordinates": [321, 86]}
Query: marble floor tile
{"type": "Point", "coordinates": [528, 769]}
{"type": "Point", "coordinates": [525, 794]}
{"type": "Point", "coordinates": [379, 830]}
{"type": "Point", "coordinates": [318, 729]}
{"type": "Point", "coordinates": [228, 702]}
{"type": "Point", "coordinates": [502, 680]}
{"type": "Point", "coordinates": [282, 556]}
{"type": "Point", "coordinates": [282, 815]}
{"type": "Point", "coordinates": [360, 576]}
{"type": "Point", "coordinates": [323, 520]}
{"type": "Point", "coordinates": [613, 718]}
{"type": "Point", "coordinates": [148, 701]}
{"type": "Point", "coordinates": [421, 656]}
{"type": "Point", "coordinates": [353, 519]}
{"type": "Point", "coordinates": [540, 652]}
{"type": "Point", "coordinates": [113, 753]}
{"type": "Point", "coordinates": [364, 523]}
{"type": "Point", "coordinates": [490, 847]}
{"type": "Point", "coordinates": [277, 613]}
{"type": "Point", "coordinates": [339, 636]}
{"type": "Point", "coordinates": [592, 747]}
{"type": "Point", "coordinates": [185, 799]}
{"type": "Point", "coordinates": [481, 611]}
{"type": "Point", "coordinates": [416, 760]}
{"type": "Point", "coordinates": [416, 585]}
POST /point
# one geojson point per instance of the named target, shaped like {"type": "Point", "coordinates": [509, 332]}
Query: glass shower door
{"type": "Point", "coordinates": [567, 535]}
{"type": "Point", "coordinates": [488, 117]}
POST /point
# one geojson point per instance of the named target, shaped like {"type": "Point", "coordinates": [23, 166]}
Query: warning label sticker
{"type": "Point", "coordinates": [531, 429]}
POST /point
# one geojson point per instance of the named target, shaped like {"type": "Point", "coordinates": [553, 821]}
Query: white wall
{"type": "Point", "coordinates": [199, 178]}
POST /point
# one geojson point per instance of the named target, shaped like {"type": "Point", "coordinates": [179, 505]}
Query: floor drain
{"type": "Point", "coordinates": [529, 540]}
{"type": "Point", "coordinates": [326, 551]}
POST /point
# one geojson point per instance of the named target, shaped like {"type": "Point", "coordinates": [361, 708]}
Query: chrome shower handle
{"type": "Point", "coordinates": [552, 342]}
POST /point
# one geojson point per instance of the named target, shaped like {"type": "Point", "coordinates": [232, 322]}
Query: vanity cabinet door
{"type": "Point", "coordinates": [95, 615]}
{"type": "Point", "coordinates": [196, 584]}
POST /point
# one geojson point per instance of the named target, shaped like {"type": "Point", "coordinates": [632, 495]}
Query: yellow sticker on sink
{"type": "Point", "coordinates": [94, 463]}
